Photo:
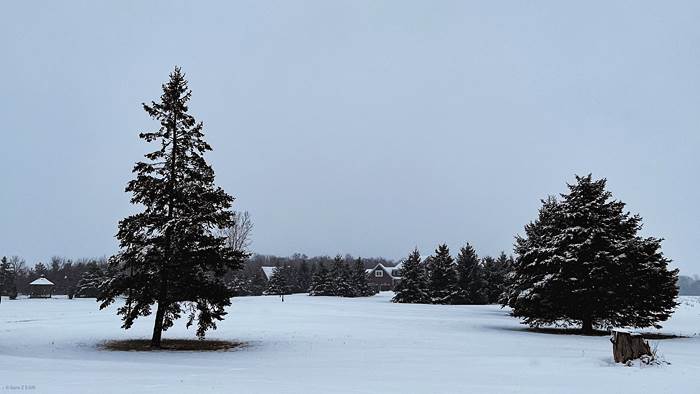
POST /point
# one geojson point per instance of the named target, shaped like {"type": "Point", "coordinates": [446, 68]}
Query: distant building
{"type": "Point", "coordinates": [381, 277]}
{"type": "Point", "coordinates": [384, 278]}
{"type": "Point", "coordinates": [41, 288]}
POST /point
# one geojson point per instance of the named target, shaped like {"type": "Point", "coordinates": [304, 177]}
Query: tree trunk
{"type": "Point", "coordinates": [158, 326]}
{"type": "Point", "coordinates": [628, 346]}
{"type": "Point", "coordinates": [160, 313]}
{"type": "Point", "coordinates": [587, 326]}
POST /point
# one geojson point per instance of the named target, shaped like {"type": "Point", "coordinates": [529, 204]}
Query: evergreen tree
{"type": "Point", "coordinates": [319, 282]}
{"type": "Point", "coordinates": [583, 262]}
{"type": "Point", "coordinates": [495, 273]}
{"type": "Point", "coordinates": [471, 286]}
{"type": "Point", "coordinates": [6, 276]}
{"type": "Point", "coordinates": [303, 277]}
{"type": "Point", "coordinates": [412, 288]}
{"type": "Point", "coordinates": [240, 285]}
{"type": "Point", "coordinates": [290, 276]}
{"type": "Point", "coordinates": [40, 269]}
{"type": "Point", "coordinates": [8, 273]}
{"type": "Point", "coordinates": [277, 284]}
{"type": "Point", "coordinates": [258, 284]}
{"type": "Point", "coordinates": [442, 277]}
{"type": "Point", "coordinates": [173, 254]}
{"type": "Point", "coordinates": [360, 285]}
{"type": "Point", "coordinates": [339, 279]}
{"type": "Point", "coordinates": [90, 282]}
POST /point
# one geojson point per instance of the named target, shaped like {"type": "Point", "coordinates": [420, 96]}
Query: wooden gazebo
{"type": "Point", "coordinates": [41, 288]}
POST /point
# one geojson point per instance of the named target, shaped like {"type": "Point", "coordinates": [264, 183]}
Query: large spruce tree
{"type": "Point", "coordinates": [412, 289]}
{"type": "Point", "coordinates": [471, 286]}
{"type": "Point", "coordinates": [583, 262]}
{"type": "Point", "coordinates": [171, 253]}
{"type": "Point", "coordinates": [442, 277]}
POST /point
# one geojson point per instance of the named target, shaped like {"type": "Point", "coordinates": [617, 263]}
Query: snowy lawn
{"type": "Point", "coordinates": [332, 345]}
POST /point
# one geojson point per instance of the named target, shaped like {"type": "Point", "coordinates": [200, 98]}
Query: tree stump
{"type": "Point", "coordinates": [628, 346]}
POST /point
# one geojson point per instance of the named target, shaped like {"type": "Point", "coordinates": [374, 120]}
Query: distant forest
{"type": "Point", "coordinates": [688, 285]}
{"type": "Point", "coordinates": [67, 273]}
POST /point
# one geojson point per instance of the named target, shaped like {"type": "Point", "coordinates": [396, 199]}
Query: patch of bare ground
{"type": "Point", "coordinates": [191, 345]}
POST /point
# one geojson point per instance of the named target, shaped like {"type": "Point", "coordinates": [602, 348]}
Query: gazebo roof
{"type": "Point", "coordinates": [42, 282]}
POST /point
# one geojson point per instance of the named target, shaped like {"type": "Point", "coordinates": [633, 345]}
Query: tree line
{"type": "Point", "coordinates": [441, 279]}
{"type": "Point", "coordinates": [581, 262]}
{"type": "Point", "coordinates": [83, 277]}
{"type": "Point", "coordinates": [298, 272]}
{"type": "Point", "coordinates": [15, 274]}
{"type": "Point", "coordinates": [689, 285]}
{"type": "Point", "coordinates": [342, 280]}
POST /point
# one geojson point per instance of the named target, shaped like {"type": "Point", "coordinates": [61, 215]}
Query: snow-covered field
{"type": "Point", "coordinates": [332, 345]}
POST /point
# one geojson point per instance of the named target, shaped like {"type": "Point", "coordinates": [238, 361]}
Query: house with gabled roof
{"type": "Point", "coordinates": [384, 278]}
{"type": "Point", "coordinates": [381, 277]}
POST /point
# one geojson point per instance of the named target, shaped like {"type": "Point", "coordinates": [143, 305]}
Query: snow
{"type": "Point", "coordinates": [42, 282]}
{"type": "Point", "coordinates": [332, 345]}
{"type": "Point", "coordinates": [268, 271]}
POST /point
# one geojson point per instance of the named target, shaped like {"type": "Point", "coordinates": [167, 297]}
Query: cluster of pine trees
{"type": "Point", "coordinates": [342, 280]}
{"type": "Point", "coordinates": [440, 279]}
{"type": "Point", "coordinates": [298, 271]}
{"type": "Point", "coordinates": [81, 278]}
{"type": "Point", "coordinates": [582, 262]}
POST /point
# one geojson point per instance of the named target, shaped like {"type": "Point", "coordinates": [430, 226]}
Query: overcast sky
{"type": "Point", "coordinates": [363, 127]}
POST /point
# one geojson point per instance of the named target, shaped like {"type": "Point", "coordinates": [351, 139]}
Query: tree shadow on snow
{"type": "Point", "coordinates": [577, 331]}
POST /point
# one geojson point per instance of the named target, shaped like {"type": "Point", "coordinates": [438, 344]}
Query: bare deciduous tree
{"type": "Point", "coordinates": [17, 264]}
{"type": "Point", "coordinates": [238, 235]}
